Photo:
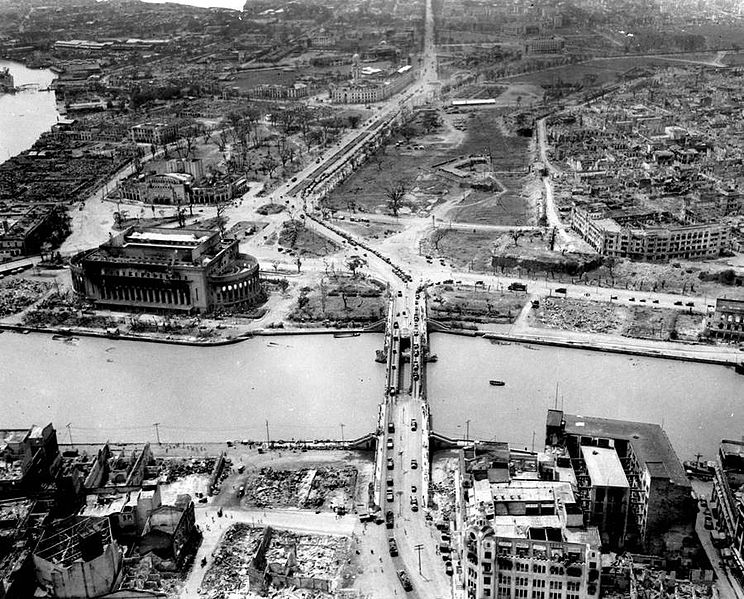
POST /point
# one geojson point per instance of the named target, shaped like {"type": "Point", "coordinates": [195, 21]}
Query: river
{"type": "Point", "coordinates": [24, 116]}
{"type": "Point", "coordinates": [307, 386]}
{"type": "Point", "coordinates": [697, 404]}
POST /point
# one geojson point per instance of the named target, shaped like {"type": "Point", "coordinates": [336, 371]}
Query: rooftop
{"type": "Point", "coordinates": [604, 467]}
{"type": "Point", "coordinates": [649, 441]}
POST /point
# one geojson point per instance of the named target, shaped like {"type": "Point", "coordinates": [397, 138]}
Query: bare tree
{"type": "Point", "coordinates": [395, 192]}
{"type": "Point", "coordinates": [516, 234]}
{"type": "Point", "coordinates": [436, 237]}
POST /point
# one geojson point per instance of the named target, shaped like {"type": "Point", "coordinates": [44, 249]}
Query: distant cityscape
{"type": "Point", "coordinates": [247, 196]}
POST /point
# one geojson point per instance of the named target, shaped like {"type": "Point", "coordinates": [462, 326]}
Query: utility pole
{"type": "Point", "coordinates": [533, 441]}
{"type": "Point", "coordinates": [342, 432]}
{"type": "Point", "coordinates": [418, 549]}
{"type": "Point", "coordinates": [157, 432]}
{"type": "Point", "coordinates": [467, 429]}
{"type": "Point", "coordinates": [69, 432]}
{"type": "Point", "coordinates": [268, 438]}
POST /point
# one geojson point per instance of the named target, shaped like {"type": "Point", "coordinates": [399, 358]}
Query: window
{"type": "Point", "coordinates": [573, 586]}
{"type": "Point", "coordinates": [556, 584]}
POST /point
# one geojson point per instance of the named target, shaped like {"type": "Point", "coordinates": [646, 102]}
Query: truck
{"type": "Point", "coordinates": [517, 287]}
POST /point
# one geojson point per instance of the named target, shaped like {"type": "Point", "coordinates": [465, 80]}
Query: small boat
{"type": "Point", "coordinates": [494, 383]}
{"type": "Point", "coordinates": [341, 335]}
{"type": "Point", "coordinates": [60, 337]}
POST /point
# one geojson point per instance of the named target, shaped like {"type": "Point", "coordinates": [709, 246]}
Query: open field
{"type": "Point", "coordinates": [412, 162]}
{"type": "Point", "coordinates": [641, 321]}
{"type": "Point", "coordinates": [457, 303]}
{"type": "Point", "coordinates": [341, 300]}
{"type": "Point", "coordinates": [605, 71]}
{"type": "Point", "coordinates": [298, 239]}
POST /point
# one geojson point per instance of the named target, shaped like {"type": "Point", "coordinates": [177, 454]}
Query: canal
{"type": "Point", "coordinates": [24, 116]}
{"type": "Point", "coordinates": [307, 386]}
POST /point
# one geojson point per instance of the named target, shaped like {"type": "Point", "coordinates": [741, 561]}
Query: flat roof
{"type": "Point", "coordinates": [164, 236]}
{"type": "Point", "coordinates": [649, 441]}
{"type": "Point", "coordinates": [605, 469]}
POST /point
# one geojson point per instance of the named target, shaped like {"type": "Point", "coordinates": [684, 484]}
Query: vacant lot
{"type": "Point", "coordinates": [642, 322]}
{"type": "Point", "coordinates": [413, 161]}
{"type": "Point", "coordinates": [339, 300]}
{"type": "Point", "coordinates": [473, 304]}
{"type": "Point", "coordinates": [297, 238]}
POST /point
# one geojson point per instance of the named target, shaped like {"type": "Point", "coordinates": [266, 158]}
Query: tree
{"type": "Point", "coordinates": [221, 218]}
{"type": "Point", "coordinates": [354, 120]}
{"type": "Point", "coordinates": [516, 234]}
{"type": "Point", "coordinates": [395, 192]}
{"type": "Point", "coordinates": [407, 131]}
{"type": "Point", "coordinates": [354, 263]}
{"type": "Point", "coordinates": [436, 237]}
{"type": "Point", "coordinates": [430, 121]}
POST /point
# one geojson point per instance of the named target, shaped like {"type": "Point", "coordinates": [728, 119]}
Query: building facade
{"type": "Point", "coordinates": [154, 133]}
{"type": "Point", "coordinates": [727, 321]}
{"type": "Point", "coordinates": [659, 492]}
{"type": "Point", "coordinates": [650, 243]}
{"type": "Point", "coordinates": [360, 91]}
{"type": "Point", "coordinates": [180, 270]}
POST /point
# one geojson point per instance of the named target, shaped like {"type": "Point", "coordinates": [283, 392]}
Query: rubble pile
{"type": "Point", "coordinates": [317, 556]}
{"type": "Point", "coordinates": [625, 578]}
{"type": "Point", "coordinates": [288, 488]}
{"type": "Point", "coordinates": [153, 574]}
{"type": "Point", "coordinates": [228, 572]}
{"type": "Point", "coordinates": [172, 469]}
{"type": "Point", "coordinates": [587, 317]}
{"type": "Point", "coordinates": [18, 294]}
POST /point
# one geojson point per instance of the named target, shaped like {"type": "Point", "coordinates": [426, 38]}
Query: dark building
{"type": "Point", "coordinates": [659, 493]}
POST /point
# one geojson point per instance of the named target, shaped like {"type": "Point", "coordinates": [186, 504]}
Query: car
{"type": "Point", "coordinates": [708, 524]}
{"type": "Point", "coordinates": [390, 464]}
{"type": "Point", "coordinates": [414, 464]}
{"type": "Point", "coordinates": [400, 293]}
{"type": "Point", "coordinates": [643, 301]}
{"type": "Point", "coordinates": [413, 488]}
{"type": "Point", "coordinates": [677, 303]}
{"type": "Point", "coordinates": [703, 502]}
{"type": "Point", "coordinates": [389, 482]}
{"type": "Point", "coordinates": [389, 519]}
{"type": "Point", "coordinates": [404, 580]}
{"type": "Point", "coordinates": [631, 299]}
{"type": "Point", "coordinates": [414, 504]}
{"type": "Point", "coordinates": [690, 304]}
{"type": "Point", "coordinates": [654, 301]}
{"type": "Point", "coordinates": [389, 495]}
{"type": "Point", "coordinates": [391, 427]}
{"type": "Point", "coordinates": [390, 443]}
{"type": "Point", "coordinates": [414, 424]}
{"type": "Point", "coordinates": [392, 547]}
{"type": "Point", "coordinates": [448, 568]}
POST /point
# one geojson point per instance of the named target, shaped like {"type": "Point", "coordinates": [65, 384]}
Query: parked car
{"type": "Point", "coordinates": [390, 464]}
{"type": "Point", "coordinates": [414, 464]}
{"type": "Point", "coordinates": [414, 424]}
{"type": "Point", "coordinates": [389, 495]}
{"type": "Point", "coordinates": [392, 547]}
{"type": "Point", "coordinates": [404, 580]}
{"type": "Point", "coordinates": [448, 568]}
{"type": "Point", "coordinates": [708, 524]}
{"type": "Point", "coordinates": [390, 443]}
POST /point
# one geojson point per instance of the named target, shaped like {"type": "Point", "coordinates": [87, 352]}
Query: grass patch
{"type": "Point", "coordinates": [340, 300]}
{"type": "Point", "coordinates": [296, 237]}
{"type": "Point", "coordinates": [461, 303]}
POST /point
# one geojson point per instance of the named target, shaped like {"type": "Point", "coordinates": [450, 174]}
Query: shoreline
{"type": "Point", "coordinates": [598, 346]}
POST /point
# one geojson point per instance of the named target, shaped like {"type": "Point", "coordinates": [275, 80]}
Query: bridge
{"type": "Point", "coordinates": [402, 465]}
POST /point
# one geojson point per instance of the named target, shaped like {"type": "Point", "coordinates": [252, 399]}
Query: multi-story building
{"type": "Point", "coordinates": [545, 45]}
{"type": "Point", "coordinates": [658, 493]}
{"type": "Point", "coordinates": [727, 322]}
{"type": "Point", "coordinates": [154, 133]}
{"type": "Point", "coordinates": [184, 270]}
{"type": "Point", "coordinates": [360, 91]}
{"type": "Point", "coordinates": [727, 502]}
{"type": "Point", "coordinates": [28, 457]}
{"type": "Point", "coordinates": [523, 534]}
{"type": "Point", "coordinates": [647, 242]}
